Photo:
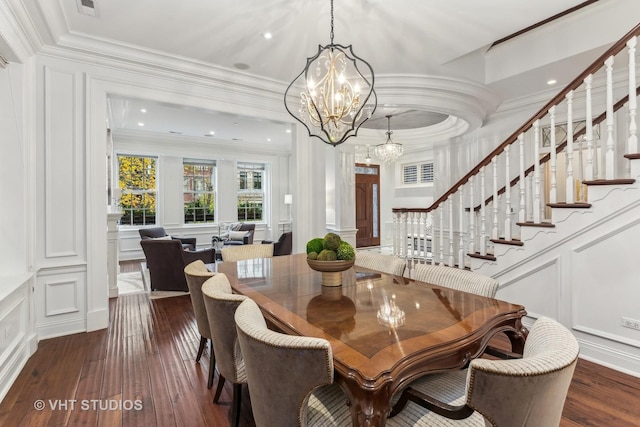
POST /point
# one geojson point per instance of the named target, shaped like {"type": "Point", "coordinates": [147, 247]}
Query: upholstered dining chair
{"type": "Point", "coordinates": [527, 392]}
{"type": "Point", "coordinates": [221, 304]}
{"type": "Point", "coordinates": [389, 264]}
{"type": "Point", "coordinates": [196, 273]}
{"type": "Point", "coordinates": [455, 278]}
{"type": "Point", "coordinates": [242, 252]}
{"type": "Point", "coordinates": [290, 378]}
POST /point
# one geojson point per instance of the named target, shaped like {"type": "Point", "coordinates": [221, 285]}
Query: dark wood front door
{"type": "Point", "coordinates": [367, 205]}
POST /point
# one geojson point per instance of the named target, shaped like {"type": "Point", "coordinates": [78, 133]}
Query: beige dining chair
{"type": "Point", "coordinates": [242, 252]}
{"type": "Point", "coordinates": [221, 304]}
{"type": "Point", "coordinates": [196, 273]}
{"type": "Point", "coordinates": [527, 392]}
{"type": "Point", "coordinates": [290, 378]}
{"type": "Point", "coordinates": [455, 278]}
{"type": "Point", "coordinates": [389, 264]}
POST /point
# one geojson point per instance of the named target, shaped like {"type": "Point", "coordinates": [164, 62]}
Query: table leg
{"type": "Point", "coordinates": [369, 408]}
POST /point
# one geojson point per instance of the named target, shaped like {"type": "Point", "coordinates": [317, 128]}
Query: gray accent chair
{"type": "Point", "coordinates": [221, 304]}
{"type": "Point", "coordinates": [455, 278]}
{"type": "Point", "coordinates": [290, 378]}
{"type": "Point", "coordinates": [188, 243]}
{"type": "Point", "coordinates": [527, 392]}
{"type": "Point", "coordinates": [389, 264]}
{"type": "Point", "coordinates": [196, 273]}
{"type": "Point", "coordinates": [282, 246]}
{"type": "Point", "coordinates": [243, 252]}
{"type": "Point", "coordinates": [166, 261]}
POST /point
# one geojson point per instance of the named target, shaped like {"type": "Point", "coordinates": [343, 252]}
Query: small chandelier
{"type": "Point", "coordinates": [334, 102]}
{"type": "Point", "coordinates": [389, 151]}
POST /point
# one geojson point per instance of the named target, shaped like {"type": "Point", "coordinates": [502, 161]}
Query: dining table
{"type": "Point", "coordinates": [384, 330]}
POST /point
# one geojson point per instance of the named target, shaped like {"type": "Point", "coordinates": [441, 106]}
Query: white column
{"type": "Point", "coordinates": [113, 265]}
{"type": "Point", "coordinates": [340, 200]}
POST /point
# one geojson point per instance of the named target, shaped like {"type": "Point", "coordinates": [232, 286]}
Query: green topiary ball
{"type": "Point", "coordinates": [312, 255]}
{"type": "Point", "coordinates": [315, 245]}
{"type": "Point", "coordinates": [327, 255]}
{"type": "Point", "coordinates": [345, 251]}
{"type": "Point", "coordinates": [331, 241]}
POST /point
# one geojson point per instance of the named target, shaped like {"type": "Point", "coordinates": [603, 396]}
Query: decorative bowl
{"type": "Point", "coordinates": [331, 270]}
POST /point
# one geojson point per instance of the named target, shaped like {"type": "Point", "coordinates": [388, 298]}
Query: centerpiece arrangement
{"type": "Point", "coordinates": [330, 255]}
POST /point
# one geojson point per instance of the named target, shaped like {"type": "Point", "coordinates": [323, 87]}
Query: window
{"type": "Point", "coordinates": [137, 182]}
{"type": "Point", "coordinates": [199, 191]}
{"type": "Point", "coordinates": [417, 173]}
{"type": "Point", "coordinates": [250, 191]}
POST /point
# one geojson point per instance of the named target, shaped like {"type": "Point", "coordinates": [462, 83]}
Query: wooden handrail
{"type": "Point", "coordinates": [597, 64]}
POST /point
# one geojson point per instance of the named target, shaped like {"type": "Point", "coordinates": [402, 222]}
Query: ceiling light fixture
{"type": "Point", "coordinates": [336, 94]}
{"type": "Point", "coordinates": [367, 160]}
{"type": "Point", "coordinates": [390, 151]}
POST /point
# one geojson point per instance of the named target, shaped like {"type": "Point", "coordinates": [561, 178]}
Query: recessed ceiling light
{"type": "Point", "coordinates": [267, 35]}
{"type": "Point", "coordinates": [268, 139]}
{"type": "Point", "coordinates": [140, 124]}
{"type": "Point", "coordinates": [552, 82]}
{"type": "Point", "coordinates": [143, 110]}
{"type": "Point", "coordinates": [211, 132]}
{"type": "Point", "coordinates": [288, 131]}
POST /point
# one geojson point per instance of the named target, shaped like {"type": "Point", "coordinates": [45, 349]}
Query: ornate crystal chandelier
{"type": "Point", "coordinates": [389, 151]}
{"type": "Point", "coordinates": [337, 98]}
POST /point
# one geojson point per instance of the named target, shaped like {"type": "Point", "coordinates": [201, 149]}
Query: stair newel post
{"type": "Point", "coordinates": [536, 172]}
{"type": "Point", "coordinates": [588, 176]}
{"type": "Point", "coordinates": [441, 220]}
{"type": "Point", "coordinates": [570, 183]}
{"type": "Point", "coordinates": [403, 233]}
{"type": "Point", "coordinates": [410, 235]}
{"type": "Point", "coordinates": [483, 214]}
{"type": "Point", "coordinates": [633, 137]}
{"type": "Point", "coordinates": [422, 229]}
{"type": "Point", "coordinates": [553, 196]}
{"type": "Point", "coordinates": [522, 183]}
{"type": "Point", "coordinates": [507, 196]}
{"type": "Point", "coordinates": [494, 203]}
{"type": "Point", "coordinates": [609, 156]}
{"type": "Point", "coordinates": [472, 219]}
{"type": "Point", "coordinates": [461, 227]}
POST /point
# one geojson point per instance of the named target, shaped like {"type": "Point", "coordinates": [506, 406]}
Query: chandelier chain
{"type": "Point", "coordinates": [331, 34]}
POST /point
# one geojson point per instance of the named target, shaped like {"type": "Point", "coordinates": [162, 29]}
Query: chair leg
{"type": "Point", "coordinates": [212, 364]}
{"type": "Point", "coordinates": [203, 342]}
{"type": "Point", "coordinates": [216, 397]}
{"type": "Point", "coordinates": [236, 404]}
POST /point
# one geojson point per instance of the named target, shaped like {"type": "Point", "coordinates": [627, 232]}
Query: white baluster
{"type": "Point", "coordinates": [609, 160]}
{"type": "Point", "coordinates": [536, 172]}
{"type": "Point", "coordinates": [494, 203]}
{"type": "Point", "coordinates": [394, 245]}
{"type": "Point", "coordinates": [461, 231]}
{"type": "Point", "coordinates": [581, 196]}
{"type": "Point", "coordinates": [588, 175]}
{"type": "Point", "coordinates": [472, 220]}
{"type": "Point", "coordinates": [483, 214]}
{"type": "Point", "coordinates": [404, 232]}
{"type": "Point", "coordinates": [441, 212]}
{"type": "Point", "coordinates": [553, 196]}
{"type": "Point", "coordinates": [633, 138]}
{"type": "Point", "coordinates": [507, 197]}
{"type": "Point", "coordinates": [522, 186]}
{"type": "Point", "coordinates": [450, 202]}
{"type": "Point", "coordinates": [530, 197]}
{"type": "Point", "coordinates": [410, 233]}
{"type": "Point", "coordinates": [570, 184]}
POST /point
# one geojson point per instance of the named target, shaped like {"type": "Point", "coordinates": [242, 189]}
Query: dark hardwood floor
{"type": "Point", "coordinates": [141, 371]}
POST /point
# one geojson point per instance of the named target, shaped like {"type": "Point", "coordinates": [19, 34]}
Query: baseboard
{"type": "Point", "coordinates": [13, 366]}
{"type": "Point", "coordinates": [98, 319]}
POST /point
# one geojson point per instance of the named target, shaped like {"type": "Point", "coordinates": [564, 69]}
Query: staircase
{"type": "Point", "coordinates": [561, 164]}
{"type": "Point", "coordinates": [553, 213]}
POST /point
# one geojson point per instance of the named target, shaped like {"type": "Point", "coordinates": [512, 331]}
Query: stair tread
{"type": "Point", "coordinates": [563, 205]}
{"type": "Point", "coordinates": [620, 181]}
{"type": "Point", "coordinates": [535, 224]}
{"type": "Point", "coordinates": [632, 156]}
{"type": "Point", "coordinates": [478, 255]}
{"type": "Point", "coordinates": [503, 241]}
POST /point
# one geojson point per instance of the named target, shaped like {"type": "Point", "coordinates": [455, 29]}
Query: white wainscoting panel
{"type": "Point", "coordinates": [61, 301]}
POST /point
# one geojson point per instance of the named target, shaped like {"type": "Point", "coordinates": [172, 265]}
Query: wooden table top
{"type": "Point", "coordinates": [384, 330]}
